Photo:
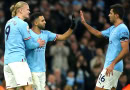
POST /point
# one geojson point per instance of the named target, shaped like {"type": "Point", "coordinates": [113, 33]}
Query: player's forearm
{"type": "Point", "coordinates": [30, 44]}
{"type": "Point", "coordinates": [120, 56]}
{"type": "Point", "coordinates": [92, 30]}
{"type": "Point", "coordinates": [65, 35]}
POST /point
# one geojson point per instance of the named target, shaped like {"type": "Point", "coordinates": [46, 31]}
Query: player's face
{"type": "Point", "coordinates": [41, 23]}
{"type": "Point", "coordinates": [25, 11]}
{"type": "Point", "coordinates": [111, 16]}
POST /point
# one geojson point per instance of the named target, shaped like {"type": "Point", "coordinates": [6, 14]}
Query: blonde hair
{"type": "Point", "coordinates": [16, 6]}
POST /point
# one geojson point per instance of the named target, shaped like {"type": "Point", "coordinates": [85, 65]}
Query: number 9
{"type": "Point", "coordinates": [7, 31]}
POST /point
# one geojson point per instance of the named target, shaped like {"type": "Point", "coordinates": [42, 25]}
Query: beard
{"type": "Point", "coordinates": [112, 21]}
{"type": "Point", "coordinates": [41, 27]}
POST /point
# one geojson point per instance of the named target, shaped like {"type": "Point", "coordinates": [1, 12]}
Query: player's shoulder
{"type": "Point", "coordinates": [45, 31]}
{"type": "Point", "coordinates": [20, 21]}
{"type": "Point", "coordinates": [123, 27]}
{"type": "Point", "coordinates": [23, 22]}
{"type": "Point", "coordinates": [111, 27]}
{"type": "Point", "coordinates": [11, 22]}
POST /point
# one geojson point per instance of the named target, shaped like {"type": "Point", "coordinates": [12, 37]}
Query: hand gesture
{"type": "Point", "coordinates": [82, 17]}
{"type": "Point", "coordinates": [73, 22]}
{"type": "Point", "coordinates": [109, 69]}
{"type": "Point", "coordinates": [41, 42]}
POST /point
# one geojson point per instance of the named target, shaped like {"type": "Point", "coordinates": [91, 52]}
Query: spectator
{"type": "Point", "coordinates": [60, 53]}
{"type": "Point", "coordinates": [98, 59]}
{"type": "Point", "coordinates": [51, 82]}
{"type": "Point", "coordinates": [123, 80]}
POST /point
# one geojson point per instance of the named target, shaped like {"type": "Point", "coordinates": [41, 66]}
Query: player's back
{"type": "Point", "coordinates": [14, 43]}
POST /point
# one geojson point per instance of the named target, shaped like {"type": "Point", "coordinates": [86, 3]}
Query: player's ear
{"type": "Point", "coordinates": [35, 22]}
{"type": "Point", "coordinates": [117, 15]}
{"type": "Point", "coordinates": [19, 10]}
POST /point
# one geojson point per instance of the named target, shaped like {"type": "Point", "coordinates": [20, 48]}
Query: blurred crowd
{"type": "Point", "coordinates": [73, 64]}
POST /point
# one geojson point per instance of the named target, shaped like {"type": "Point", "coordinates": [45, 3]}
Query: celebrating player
{"type": "Point", "coordinates": [36, 57]}
{"type": "Point", "coordinates": [16, 70]}
{"type": "Point", "coordinates": [118, 47]}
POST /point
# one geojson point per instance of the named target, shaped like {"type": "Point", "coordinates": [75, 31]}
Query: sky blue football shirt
{"type": "Point", "coordinates": [15, 33]}
{"type": "Point", "coordinates": [115, 35]}
{"type": "Point", "coordinates": [36, 57]}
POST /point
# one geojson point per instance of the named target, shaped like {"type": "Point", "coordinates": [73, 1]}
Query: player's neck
{"type": "Point", "coordinates": [19, 16]}
{"type": "Point", "coordinates": [118, 22]}
{"type": "Point", "coordinates": [36, 30]}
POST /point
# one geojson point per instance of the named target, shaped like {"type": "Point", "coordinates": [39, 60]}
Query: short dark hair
{"type": "Point", "coordinates": [35, 16]}
{"type": "Point", "coordinates": [118, 9]}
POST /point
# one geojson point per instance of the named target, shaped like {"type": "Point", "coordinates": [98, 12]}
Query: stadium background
{"type": "Point", "coordinates": [73, 64]}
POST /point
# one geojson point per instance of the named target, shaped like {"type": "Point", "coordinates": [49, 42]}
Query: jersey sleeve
{"type": "Point", "coordinates": [106, 33]}
{"type": "Point", "coordinates": [51, 36]}
{"type": "Point", "coordinates": [30, 44]}
{"type": "Point", "coordinates": [24, 29]}
{"type": "Point", "coordinates": [123, 34]}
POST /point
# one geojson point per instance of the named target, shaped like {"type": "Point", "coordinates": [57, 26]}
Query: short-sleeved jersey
{"type": "Point", "coordinates": [36, 57]}
{"type": "Point", "coordinates": [116, 35]}
{"type": "Point", "coordinates": [16, 30]}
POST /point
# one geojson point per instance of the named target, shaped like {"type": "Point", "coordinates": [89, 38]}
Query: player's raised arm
{"type": "Point", "coordinates": [69, 32]}
{"type": "Point", "coordinates": [90, 29]}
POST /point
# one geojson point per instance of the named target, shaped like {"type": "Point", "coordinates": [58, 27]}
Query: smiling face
{"type": "Point", "coordinates": [41, 22]}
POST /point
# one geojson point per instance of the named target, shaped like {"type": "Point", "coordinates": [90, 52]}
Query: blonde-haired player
{"type": "Point", "coordinates": [16, 70]}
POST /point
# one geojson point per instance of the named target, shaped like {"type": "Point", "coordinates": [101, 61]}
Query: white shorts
{"type": "Point", "coordinates": [108, 82]}
{"type": "Point", "coordinates": [39, 80]}
{"type": "Point", "coordinates": [17, 74]}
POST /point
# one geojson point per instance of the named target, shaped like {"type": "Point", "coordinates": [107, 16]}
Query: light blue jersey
{"type": "Point", "coordinates": [115, 35]}
{"type": "Point", "coordinates": [15, 33]}
{"type": "Point", "coordinates": [36, 57]}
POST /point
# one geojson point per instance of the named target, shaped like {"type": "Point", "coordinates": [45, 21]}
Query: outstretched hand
{"type": "Point", "coordinates": [73, 22]}
{"type": "Point", "coordinates": [82, 17]}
